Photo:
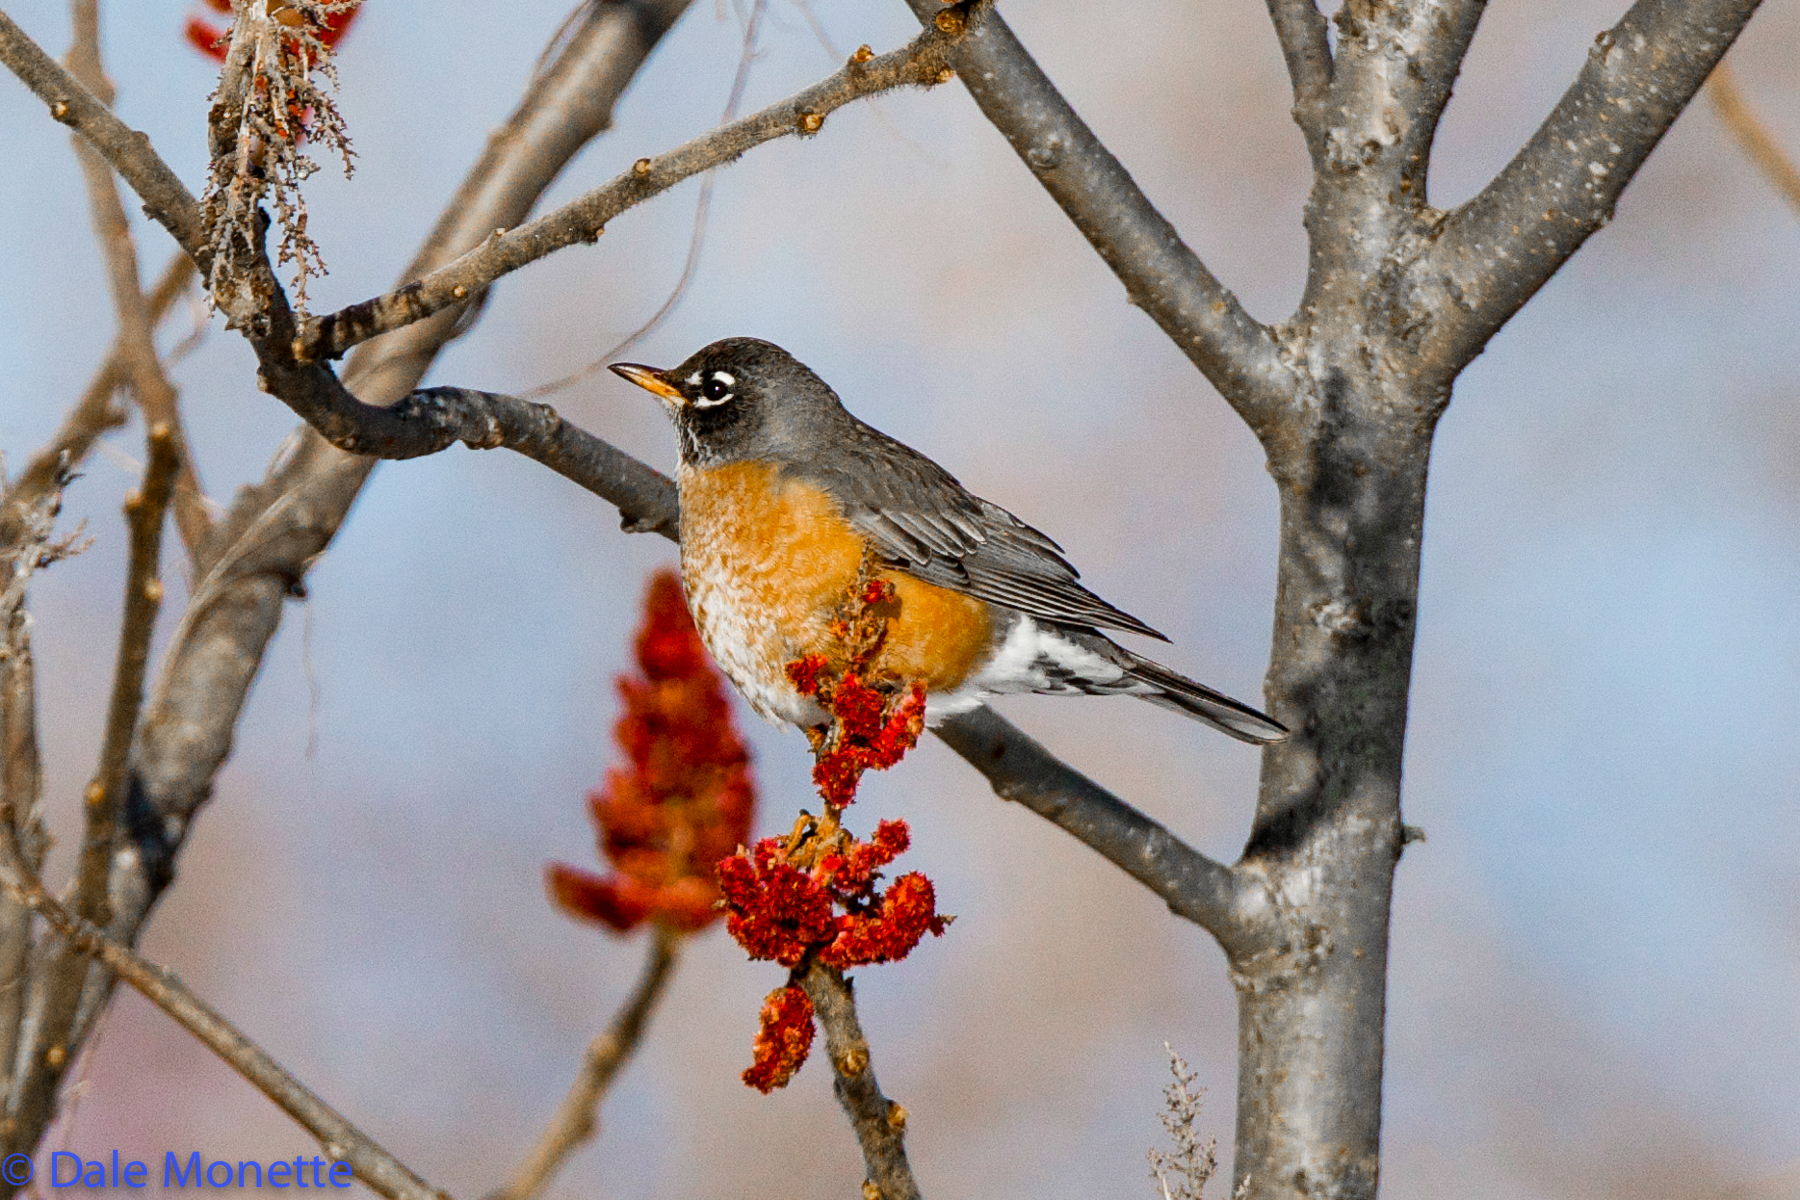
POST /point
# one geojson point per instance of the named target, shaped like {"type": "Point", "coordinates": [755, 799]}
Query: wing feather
{"type": "Point", "coordinates": [920, 520]}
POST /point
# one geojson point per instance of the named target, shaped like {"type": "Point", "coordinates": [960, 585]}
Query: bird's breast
{"type": "Point", "coordinates": [768, 561]}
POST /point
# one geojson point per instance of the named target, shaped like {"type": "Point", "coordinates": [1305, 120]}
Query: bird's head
{"type": "Point", "coordinates": [741, 398]}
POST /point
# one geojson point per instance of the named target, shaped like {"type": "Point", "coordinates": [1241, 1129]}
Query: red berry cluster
{"type": "Point", "coordinates": [215, 42]}
{"type": "Point", "coordinates": [783, 1038]}
{"type": "Point", "coordinates": [812, 896]}
{"type": "Point", "coordinates": [872, 725]}
{"type": "Point", "coordinates": [684, 799]}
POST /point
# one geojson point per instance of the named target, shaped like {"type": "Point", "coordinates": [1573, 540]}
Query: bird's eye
{"type": "Point", "coordinates": [717, 388]}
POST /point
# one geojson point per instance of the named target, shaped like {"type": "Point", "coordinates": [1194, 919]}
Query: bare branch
{"type": "Point", "coordinates": [65, 975]}
{"type": "Point", "coordinates": [1494, 253]}
{"type": "Point", "coordinates": [1208, 893]}
{"type": "Point", "coordinates": [141, 366]}
{"type": "Point", "coordinates": [880, 1124]}
{"type": "Point", "coordinates": [1757, 142]}
{"type": "Point", "coordinates": [575, 1121]}
{"type": "Point", "coordinates": [1160, 273]}
{"type": "Point", "coordinates": [166, 199]}
{"type": "Point", "coordinates": [340, 1140]}
{"type": "Point", "coordinates": [921, 63]}
{"type": "Point", "coordinates": [1306, 46]}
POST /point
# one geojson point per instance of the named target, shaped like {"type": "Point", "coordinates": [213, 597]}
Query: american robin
{"type": "Point", "coordinates": [787, 499]}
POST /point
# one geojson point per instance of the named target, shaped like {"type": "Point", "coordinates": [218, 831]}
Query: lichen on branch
{"type": "Point", "coordinates": [266, 107]}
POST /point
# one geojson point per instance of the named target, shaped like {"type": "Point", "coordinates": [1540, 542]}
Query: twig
{"type": "Point", "coordinates": [1752, 135]}
{"type": "Point", "coordinates": [340, 1140]}
{"type": "Point", "coordinates": [575, 1121]}
{"type": "Point", "coordinates": [920, 63]}
{"type": "Point", "coordinates": [136, 349]}
{"type": "Point", "coordinates": [145, 510]}
{"type": "Point", "coordinates": [880, 1124]}
{"type": "Point", "coordinates": [1495, 252]}
{"type": "Point", "coordinates": [1306, 46]}
{"type": "Point", "coordinates": [166, 199]}
{"type": "Point", "coordinates": [1161, 274]}
{"type": "Point", "coordinates": [65, 975]}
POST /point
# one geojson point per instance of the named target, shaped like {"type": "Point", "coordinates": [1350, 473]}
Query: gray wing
{"type": "Point", "coordinates": [923, 522]}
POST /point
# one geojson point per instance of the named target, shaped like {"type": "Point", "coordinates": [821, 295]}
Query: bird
{"type": "Point", "coordinates": [787, 500]}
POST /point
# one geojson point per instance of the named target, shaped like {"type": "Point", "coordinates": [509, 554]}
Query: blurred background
{"type": "Point", "coordinates": [1595, 954]}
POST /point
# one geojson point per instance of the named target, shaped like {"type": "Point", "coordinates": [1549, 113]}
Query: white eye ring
{"type": "Point", "coordinates": [719, 381]}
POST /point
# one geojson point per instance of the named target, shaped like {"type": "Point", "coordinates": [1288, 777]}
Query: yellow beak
{"type": "Point", "coordinates": [650, 379]}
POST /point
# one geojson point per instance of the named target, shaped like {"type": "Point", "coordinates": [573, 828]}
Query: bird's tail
{"type": "Point", "coordinates": [1178, 693]}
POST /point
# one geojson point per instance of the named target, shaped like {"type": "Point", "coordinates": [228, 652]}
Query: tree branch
{"type": "Point", "coordinates": [141, 365]}
{"type": "Point", "coordinates": [575, 1121]}
{"type": "Point", "coordinates": [166, 199]}
{"type": "Point", "coordinates": [1306, 47]}
{"type": "Point", "coordinates": [1195, 887]}
{"type": "Point", "coordinates": [341, 1141]}
{"type": "Point", "coordinates": [880, 1124]}
{"type": "Point", "coordinates": [1494, 253]}
{"type": "Point", "coordinates": [920, 63]}
{"type": "Point", "coordinates": [1758, 144]}
{"type": "Point", "coordinates": [1160, 273]}
{"type": "Point", "coordinates": [63, 976]}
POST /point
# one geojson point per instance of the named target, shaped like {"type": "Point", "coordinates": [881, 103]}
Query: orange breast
{"type": "Point", "coordinates": [768, 562]}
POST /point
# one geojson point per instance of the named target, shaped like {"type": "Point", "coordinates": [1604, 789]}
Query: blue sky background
{"type": "Point", "coordinates": [1594, 958]}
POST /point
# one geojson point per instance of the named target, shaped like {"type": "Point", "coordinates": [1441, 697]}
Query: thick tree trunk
{"type": "Point", "coordinates": [1328, 831]}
